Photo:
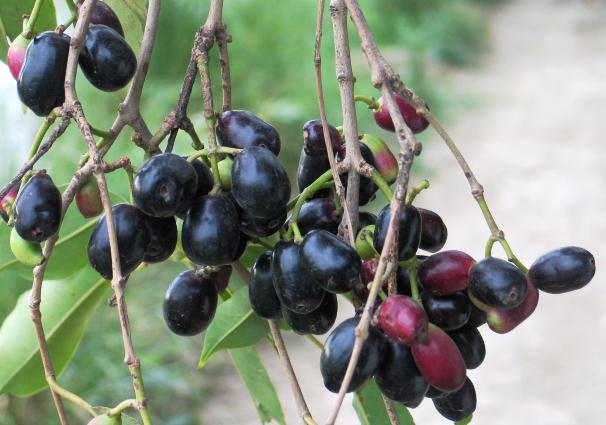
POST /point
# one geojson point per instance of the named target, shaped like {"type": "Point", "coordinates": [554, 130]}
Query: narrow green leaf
{"type": "Point", "coordinates": [370, 407]}
{"type": "Point", "coordinates": [235, 325]}
{"type": "Point", "coordinates": [11, 12]}
{"type": "Point", "coordinates": [251, 254]}
{"type": "Point", "coordinates": [259, 385]}
{"type": "Point", "coordinates": [66, 307]}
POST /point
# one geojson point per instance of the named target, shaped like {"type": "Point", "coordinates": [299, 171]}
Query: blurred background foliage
{"type": "Point", "coordinates": [273, 76]}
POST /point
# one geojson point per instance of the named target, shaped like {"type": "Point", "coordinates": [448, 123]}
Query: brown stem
{"type": "Point", "coordinates": [223, 38]}
{"type": "Point", "coordinates": [327, 140]}
{"type": "Point", "coordinates": [348, 107]}
{"type": "Point", "coordinates": [391, 411]}
{"type": "Point", "coordinates": [283, 355]}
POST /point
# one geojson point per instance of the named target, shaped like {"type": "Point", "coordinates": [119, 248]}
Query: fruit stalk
{"type": "Point", "coordinates": [68, 395]}
{"type": "Point", "coordinates": [30, 22]}
{"type": "Point", "coordinates": [382, 184]}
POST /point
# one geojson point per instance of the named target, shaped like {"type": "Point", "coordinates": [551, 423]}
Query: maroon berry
{"type": "Point", "coordinates": [369, 268]}
{"type": "Point", "coordinates": [9, 198]}
{"type": "Point", "coordinates": [313, 138]}
{"type": "Point", "coordinates": [439, 360]}
{"type": "Point", "coordinates": [415, 121]}
{"type": "Point", "coordinates": [503, 321]}
{"type": "Point", "coordinates": [446, 272]}
{"type": "Point", "coordinates": [88, 199]}
{"type": "Point", "coordinates": [103, 14]}
{"type": "Point", "coordinates": [403, 320]}
{"type": "Point", "coordinates": [433, 231]}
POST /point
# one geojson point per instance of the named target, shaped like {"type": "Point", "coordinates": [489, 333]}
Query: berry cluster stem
{"type": "Point", "coordinates": [382, 184]}
{"type": "Point", "coordinates": [30, 22]}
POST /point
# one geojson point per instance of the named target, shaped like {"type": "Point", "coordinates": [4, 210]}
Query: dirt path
{"type": "Point", "coordinates": [536, 142]}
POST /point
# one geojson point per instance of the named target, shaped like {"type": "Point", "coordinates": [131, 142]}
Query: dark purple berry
{"type": "Point", "coordinates": [243, 129]}
{"type": "Point", "coordinates": [449, 312]}
{"type": "Point", "coordinates": [103, 14]}
{"type": "Point", "coordinates": [37, 211]}
{"type": "Point", "coordinates": [459, 404]}
{"type": "Point", "coordinates": [318, 322]}
{"type": "Point", "coordinates": [409, 224]}
{"type": "Point", "coordinates": [163, 239]}
{"type": "Point", "coordinates": [471, 345]}
{"type": "Point", "coordinates": [563, 270]}
{"type": "Point", "coordinates": [497, 283]}
{"type": "Point", "coordinates": [313, 138]}
{"type": "Point", "coordinates": [433, 231]}
{"type": "Point", "coordinates": [261, 291]}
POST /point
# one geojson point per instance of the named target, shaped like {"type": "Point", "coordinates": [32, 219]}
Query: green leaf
{"type": "Point", "coordinates": [370, 407]}
{"type": "Point", "coordinates": [132, 15]}
{"type": "Point", "coordinates": [66, 307]}
{"type": "Point", "coordinates": [259, 385]}
{"type": "Point", "coordinates": [235, 325]}
{"type": "Point", "coordinates": [251, 254]}
{"type": "Point", "coordinates": [11, 12]}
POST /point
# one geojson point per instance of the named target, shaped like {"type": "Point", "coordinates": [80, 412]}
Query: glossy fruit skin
{"type": "Point", "coordinates": [294, 284]}
{"type": "Point", "coordinates": [439, 360]}
{"type": "Point", "coordinates": [241, 246]}
{"type": "Point", "coordinates": [165, 185]}
{"type": "Point", "coordinates": [313, 138]}
{"type": "Point", "coordinates": [563, 270]}
{"type": "Point", "coordinates": [503, 321]}
{"type": "Point", "coordinates": [40, 84]}
{"type": "Point", "coordinates": [385, 161]}
{"type": "Point", "coordinates": [211, 231]}
{"type": "Point", "coordinates": [459, 404]}
{"type": "Point", "coordinates": [409, 233]}
{"type": "Point", "coordinates": [243, 129]}
{"type": "Point", "coordinates": [28, 253]}
{"type": "Point", "coordinates": [445, 272]}
{"type": "Point", "coordinates": [88, 199]}
{"type": "Point", "coordinates": [449, 312]}
{"type": "Point", "coordinates": [163, 240]}
{"type": "Point", "coordinates": [9, 198]}
{"type": "Point", "coordinates": [106, 59]}
{"type": "Point", "coordinates": [477, 317]}
{"type": "Point", "coordinates": [365, 218]}
{"type": "Point", "coordinates": [205, 178]}
{"type": "Point", "coordinates": [261, 227]}
{"type": "Point", "coordinates": [319, 213]}
{"type": "Point", "coordinates": [309, 169]}
{"type": "Point", "coordinates": [403, 282]}
{"type": "Point", "coordinates": [416, 122]}
{"type": "Point", "coordinates": [433, 231]}
{"type": "Point", "coordinates": [37, 211]}
{"type": "Point", "coordinates": [103, 14]}
{"type": "Point", "coordinates": [133, 233]}
{"type": "Point", "coordinates": [368, 271]}
{"type": "Point", "coordinates": [403, 320]}
{"type": "Point", "coordinates": [471, 345]}
{"type": "Point", "coordinates": [261, 292]}
{"type": "Point", "coordinates": [190, 304]}
{"type": "Point", "coordinates": [337, 352]}
{"type": "Point", "coordinates": [433, 392]}
{"type": "Point", "coordinates": [221, 277]}
{"type": "Point", "coordinates": [368, 188]}
{"type": "Point", "coordinates": [398, 377]}
{"type": "Point", "coordinates": [497, 283]}
{"type": "Point", "coordinates": [260, 183]}
{"type": "Point", "coordinates": [318, 322]}
{"type": "Point", "coordinates": [333, 263]}
{"type": "Point", "coordinates": [16, 55]}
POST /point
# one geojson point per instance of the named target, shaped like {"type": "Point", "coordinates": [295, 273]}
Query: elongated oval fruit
{"type": "Point", "coordinates": [260, 183]}
{"type": "Point", "coordinates": [318, 322]}
{"type": "Point", "coordinates": [332, 262]}
{"type": "Point", "coordinates": [503, 321]}
{"type": "Point", "coordinates": [446, 272]}
{"type": "Point", "coordinates": [221, 277]}
{"type": "Point", "coordinates": [88, 199]}
{"type": "Point", "coordinates": [190, 303]}
{"type": "Point", "coordinates": [415, 121]}
{"type": "Point", "coordinates": [309, 169]}
{"type": "Point", "coordinates": [433, 231]}
{"type": "Point", "coordinates": [16, 55]}
{"type": "Point", "coordinates": [337, 352]}
{"type": "Point", "coordinates": [439, 360]}
{"type": "Point", "coordinates": [40, 84]}
{"type": "Point", "coordinates": [103, 14]}
{"type": "Point", "coordinates": [296, 287]}
{"type": "Point", "coordinates": [403, 320]}
{"type": "Point", "coordinates": [471, 345]}
{"type": "Point", "coordinates": [133, 234]}
{"type": "Point", "coordinates": [385, 161]}
{"type": "Point", "coordinates": [8, 201]}
{"type": "Point", "coordinates": [313, 138]}
{"type": "Point", "coordinates": [497, 283]}
{"type": "Point", "coordinates": [263, 298]}
{"type": "Point", "coordinates": [477, 317]}
{"type": "Point", "coordinates": [106, 60]}
{"type": "Point", "coordinates": [262, 227]}
{"type": "Point", "coordinates": [205, 178]}
{"type": "Point", "coordinates": [318, 213]}
{"type": "Point", "coordinates": [165, 185]}
{"type": "Point", "coordinates": [211, 231]}
{"type": "Point", "coordinates": [28, 253]}
{"type": "Point", "coordinates": [368, 188]}
{"type": "Point", "coordinates": [164, 234]}
{"type": "Point", "coordinates": [409, 235]}
{"type": "Point", "coordinates": [563, 270]}
{"type": "Point", "coordinates": [364, 242]}
{"type": "Point", "coordinates": [398, 377]}
{"type": "Point", "coordinates": [37, 211]}
{"type": "Point", "coordinates": [449, 312]}
{"type": "Point", "coordinates": [459, 404]}
{"type": "Point", "coordinates": [243, 129]}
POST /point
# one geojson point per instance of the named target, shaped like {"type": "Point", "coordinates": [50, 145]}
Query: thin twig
{"type": "Point", "coordinates": [391, 411]}
{"type": "Point", "coordinates": [223, 38]}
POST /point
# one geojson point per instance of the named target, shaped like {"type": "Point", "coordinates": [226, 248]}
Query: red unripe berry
{"type": "Point", "coordinates": [10, 197]}
{"type": "Point", "coordinates": [415, 121]}
{"type": "Point", "coordinates": [16, 55]}
{"type": "Point", "coordinates": [88, 199]}
{"type": "Point", "coordinates": [503, 321]}
{"type": "Point", "coordinates": [403, 320]}
{"type": "Point", "coordinates": [446, 272]}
